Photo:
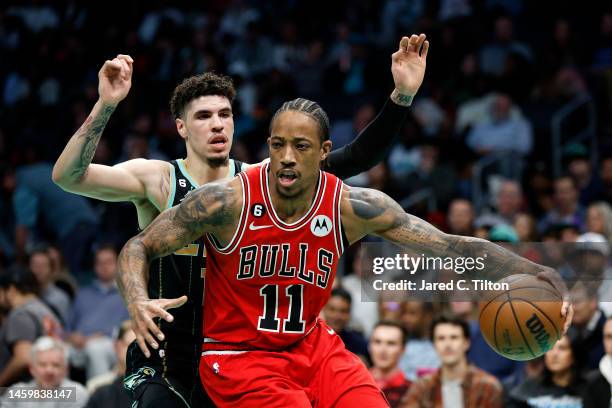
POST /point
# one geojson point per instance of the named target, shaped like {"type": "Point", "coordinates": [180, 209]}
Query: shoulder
{"type": "Point", "coordinates": [482, 378]}
{"type": "Point", "coordinates": [81, 391]}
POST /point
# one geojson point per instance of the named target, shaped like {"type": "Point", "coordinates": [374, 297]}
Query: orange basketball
{"type": "Point", "coordinates": [523, 322]}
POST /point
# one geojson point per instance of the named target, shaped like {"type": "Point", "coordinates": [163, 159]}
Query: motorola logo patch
{"type": "Point", "coordinates": [321, 225]}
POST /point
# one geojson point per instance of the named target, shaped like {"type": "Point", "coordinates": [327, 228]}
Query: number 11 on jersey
{"type": "Point", "coordinates": [270, 321]}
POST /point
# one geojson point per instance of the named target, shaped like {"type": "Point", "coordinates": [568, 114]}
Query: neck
{"type": "Point", "coordinates": [291, 209]}
{"type": "Point", "coordinates": [21, 299]}
{"type": "Point", "coordinates": [567, 210]}
{"type": "Point", "coordinates": [455, 371]}
{"type": "Point", "coordinates": [203, 172]}
{"type": "Point", "coordinates": [384, 372]}
{"type": "Point", "coordinates": [563, 378]}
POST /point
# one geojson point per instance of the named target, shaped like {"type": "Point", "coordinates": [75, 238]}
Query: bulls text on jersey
{"type": "Point", "coordinates": [264, 261]}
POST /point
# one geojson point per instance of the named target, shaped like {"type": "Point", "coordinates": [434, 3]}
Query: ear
{"type": "Point", "coordinates": [325, 149]}
{"type": "Point", "coordinates": [180, 127]}
{"type": "Point", "coordinates": [468, 343]}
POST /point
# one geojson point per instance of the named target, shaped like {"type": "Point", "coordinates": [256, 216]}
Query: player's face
{"type": "Point", "coordinates": [560, 358]}
{"type": "Point", "coordinates": [49, 368]}
{"type": "Point", "coordinates": [386, 347]}
{"type": "Point", "coordinates": [208, 127]}
{"type": "Point", "coordinates": [296, 153]}
{"type": "Point", "coordinates": [450, 343]}
{"type": "Point", "coordinates": [607, 337]}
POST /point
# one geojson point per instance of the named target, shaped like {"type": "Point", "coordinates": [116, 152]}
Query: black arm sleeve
{"type": "Point", "coordinates": [371, 145]}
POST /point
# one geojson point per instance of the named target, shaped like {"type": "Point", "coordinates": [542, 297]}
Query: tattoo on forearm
{"type": "Point", "coordinates": [132, 278]}
{"type": "Point", "coordinates": [423, 238]}
{"type": "Point", "coordinates": [203, 210]}
{"type": "Point", "coordinates": [91, 131]}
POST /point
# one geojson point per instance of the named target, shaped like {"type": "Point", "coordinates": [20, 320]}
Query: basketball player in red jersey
{"type": "Point", "coordinates": [274, 235]}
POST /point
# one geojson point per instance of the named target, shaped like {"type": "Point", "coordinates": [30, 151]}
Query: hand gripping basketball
{"type": "Point", "coordinates": [143, 313]}
{"type": "Point", "coordinates": [567, 310]}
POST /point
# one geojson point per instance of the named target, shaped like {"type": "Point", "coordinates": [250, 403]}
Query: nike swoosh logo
{"type": "Point", "coordinates": [330, 331]}
{"type": "Point", "coordinates": [258, 227]}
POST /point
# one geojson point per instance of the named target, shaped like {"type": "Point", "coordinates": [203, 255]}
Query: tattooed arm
{"type": "Point", "coordinates": [74, 171]}
{"type": "Point", "coordinates": [366, 211]}
{"type": "Point", "coordinates": [214, 208]}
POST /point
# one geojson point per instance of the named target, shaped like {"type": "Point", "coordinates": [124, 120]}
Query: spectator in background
{"type": "Point", "coordinates": [363, 314]}
{"type": "Point", "coordinates": [589, 264]}
{"type": "Point", "coordinates": [561, 383]}
{"type": "Point", "coordinates": [598, 389]}
{"type": "Point", "coordinates": [503, 132]}
{"type": "Point", "coordinates": [419, 357]}
{"type": "Point", "coordinates": [508, 201]}
{"type": "Point", "coordinates": [344, 131]}
{"type": "Point", "coordinates": [49, 368]}
{"type": "Point", "coordinates": [493, 56]}
{"type": "Point", "coordinates": [54, 297]}
{"type": "Point", "coordinates": [108, 390]}
{"type": "Point", "coordinates": [28, 319]}
{"type": "Point", "coordinates": [587, 323]}
{"type": "Point", "coordinates": [456, 383]}
{"type": "Point", "coordinates": [461, 217]}
{"type": "Point", "coordinates": [579, 168]}
{"type": "Point", "coordinates": [480, 353]}
{"type": "Point", "coordinates": [605, 173]}
{"type": "Point", "coordinates": [96, 311]}
{"type": "Point", "coordinates": [525, 227]}
{"type": "Point", "coordinates": [337, 314]}
{"type": "Point", "coordinates": [70, 217]}
{"type": "Point", "coordinates": [567, 209]}
{"type": "Point", "coordinates": [599, 219]}
{"type": "Point", "coordinates": [386, 347]}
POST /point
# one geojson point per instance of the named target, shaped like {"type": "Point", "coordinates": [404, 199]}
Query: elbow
{"type": "Point", "coordinates": [59, 177]}
{"type": "Point", "coordinates": [62, 179]}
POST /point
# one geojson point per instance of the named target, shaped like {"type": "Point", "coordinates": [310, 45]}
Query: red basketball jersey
{"type": "Point", "coordinates": [266, 287]}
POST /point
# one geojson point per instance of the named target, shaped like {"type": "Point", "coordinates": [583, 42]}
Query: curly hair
{"type": "Point", "coordinates": [205, 84]}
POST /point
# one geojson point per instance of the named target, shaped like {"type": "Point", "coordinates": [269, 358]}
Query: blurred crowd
{"type": "Point", "coordinates": [509, 139]}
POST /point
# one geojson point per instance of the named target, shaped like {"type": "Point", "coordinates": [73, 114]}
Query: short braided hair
{"type": "Point", "coordinates": [310, 108]}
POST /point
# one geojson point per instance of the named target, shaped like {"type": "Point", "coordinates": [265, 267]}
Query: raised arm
{"type": "Point", "coordinates": [371, 145]}
{"type": "Point", "coordinates": [73, 170]}
{"type": "Point", "coordinates": [366, 211]}
{"type": "Point", "coordinates": [213, 208]}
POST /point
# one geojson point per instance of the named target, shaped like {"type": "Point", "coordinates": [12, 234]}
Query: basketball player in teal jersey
{"type": "Point", "coordinates": [203, 112]}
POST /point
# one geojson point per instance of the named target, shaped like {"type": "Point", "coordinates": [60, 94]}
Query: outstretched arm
{"type": "Point", "coordinates": [366, 211]}
{"type": "Point", "coordinates": [372, 144]}
{"type": "Point", "coordinates": [73, 170]}
{"type": "Point", "coordinates": [211, 208]}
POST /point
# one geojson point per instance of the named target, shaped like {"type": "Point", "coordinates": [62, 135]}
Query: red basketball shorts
{"type": "Point", "coordinates": [316, 372]}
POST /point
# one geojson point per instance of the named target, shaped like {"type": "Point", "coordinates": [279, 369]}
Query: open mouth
{"type": "Point", "coordinates": [287, 178]}
{"type": "Point", "coordinates": [218, 141]}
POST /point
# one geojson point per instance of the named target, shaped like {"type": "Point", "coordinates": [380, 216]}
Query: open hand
{"type": "Point", "coordinates": [143, 312]}
{"type": "Point", "coordinates": [408, 64]}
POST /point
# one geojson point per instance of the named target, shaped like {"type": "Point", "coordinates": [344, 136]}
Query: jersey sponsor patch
{"type": "Point", "coordinates": [321, 225]}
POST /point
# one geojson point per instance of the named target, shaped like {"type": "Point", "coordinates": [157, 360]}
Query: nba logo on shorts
{"type": "Point", "coordinates": [321, 225]}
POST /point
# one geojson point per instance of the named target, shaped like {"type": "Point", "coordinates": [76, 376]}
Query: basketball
{"type": "Point", "coordinates": [523, 322]}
